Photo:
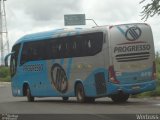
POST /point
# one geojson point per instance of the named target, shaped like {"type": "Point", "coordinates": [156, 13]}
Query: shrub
{"type": "Point", "coordinates": [4, 74]}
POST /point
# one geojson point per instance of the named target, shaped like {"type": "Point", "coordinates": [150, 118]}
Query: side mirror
{"type": "Point", "coordinates": [6, 58]}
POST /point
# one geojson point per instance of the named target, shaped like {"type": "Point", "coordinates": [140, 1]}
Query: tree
{"type": "Point", "coordinates": [150, 9]}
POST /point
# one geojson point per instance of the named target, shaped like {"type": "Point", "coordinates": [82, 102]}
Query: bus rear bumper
{"type": "Point", "coordinates": [131, 88]}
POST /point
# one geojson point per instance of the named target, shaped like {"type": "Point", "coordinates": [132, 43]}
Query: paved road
{"type": "Point", "coordinates": [9, 104]}
{"type": "Point", "coordinates": [53, 108]}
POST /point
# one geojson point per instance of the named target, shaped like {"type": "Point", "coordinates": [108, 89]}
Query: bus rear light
{"type": "Point", "coordinates": [112, 75]}
{"type": "Point", "coordinates": [154, 71]}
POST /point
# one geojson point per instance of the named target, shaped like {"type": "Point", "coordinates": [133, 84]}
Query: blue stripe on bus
{"type": "Point", "coordinates": [62, 62]}
{"type": "Point", "coordinates": [69, 67]}
{"type": "Point", "coordinates": [121, 30]}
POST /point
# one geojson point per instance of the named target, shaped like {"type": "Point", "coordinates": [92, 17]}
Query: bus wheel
{"type": "Point", "coordinates": [120, 97]}
{"type": "Point", "coordinates": [65, 98]}
{"type": "Point", "coordinates": [30, 98]}
{"type": "Point", "coordinates": [80, 93]}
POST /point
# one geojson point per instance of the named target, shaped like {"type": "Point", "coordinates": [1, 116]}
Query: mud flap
{"type": "Point", "coordinates": [100, 83]}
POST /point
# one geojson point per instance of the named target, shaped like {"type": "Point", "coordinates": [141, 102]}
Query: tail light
{"type": "Point", "coordinates": [112, 75]}
{"type": "Point", "coordinates": [154, 71]}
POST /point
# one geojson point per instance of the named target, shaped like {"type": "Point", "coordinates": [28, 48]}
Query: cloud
{"type": "Point", "coordinates": [28, 16]}
{"type": "Point", "coordinates": [46, 10]}
{"type": "Point", "coordinates": [25, 16]}
{"type": "Point", "coordinates": [113, 11]}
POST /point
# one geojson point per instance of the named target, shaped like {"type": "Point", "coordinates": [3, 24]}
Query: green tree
{"type": "Point", "coordinates": [150, 8]}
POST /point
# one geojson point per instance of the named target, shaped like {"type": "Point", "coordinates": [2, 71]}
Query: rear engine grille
{"type": "Point", "coordinates": [132, 57]}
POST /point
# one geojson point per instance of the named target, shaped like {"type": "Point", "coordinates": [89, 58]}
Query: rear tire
{"type": "Point", "coordinates": [65, 98]}
{"type": "Point", "coordinates": [30, 98]}
{"type": "Point", "coordinates": [80, 94]}
{"type": "Point", "coordinates": [120, 97]}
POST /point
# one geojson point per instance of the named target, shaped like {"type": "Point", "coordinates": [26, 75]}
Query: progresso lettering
{"type": "Point", "coordinates": [132, 48]}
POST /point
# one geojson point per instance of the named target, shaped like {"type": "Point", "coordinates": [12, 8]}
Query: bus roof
{"type": "Point", "coordinates": [48, 34]}
{"type": "Point", "coordinates": [63, 32]}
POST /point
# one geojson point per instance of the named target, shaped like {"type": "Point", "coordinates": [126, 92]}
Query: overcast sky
{"type": "Point", "coordinates": [29, 16]}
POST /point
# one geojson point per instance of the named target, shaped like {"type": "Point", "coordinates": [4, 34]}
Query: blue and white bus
{"type": "Point", "coordinates": [108, 61]}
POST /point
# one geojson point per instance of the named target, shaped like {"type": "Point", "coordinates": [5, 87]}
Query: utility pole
{"type": "Point", "coordinates": [4, 42]}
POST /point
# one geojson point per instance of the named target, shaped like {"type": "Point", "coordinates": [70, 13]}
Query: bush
{"type": "Point", "coordinates": [4, 74]}
{"type": "Point", "coordinates": [156, 92]}
{"type": "Point", "coordinates": [7, 79]}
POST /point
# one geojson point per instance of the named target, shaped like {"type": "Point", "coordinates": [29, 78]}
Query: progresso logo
{"type": "Point", "coordinates": [59, 78]}
{"type": "Point", "coordinates": [133, 33]}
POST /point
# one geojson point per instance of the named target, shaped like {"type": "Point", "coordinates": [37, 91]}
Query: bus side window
{"type": "Point", "coordinates": [58, 48]}
{"type": "Point", "coordinates": [87, 46]}
{"type": "Point", "coordinates": [95, 43]}
{"type": "Point", "coordinates": [79, 46]}
{"type": "Point", "coordinates": [32, 51]}
{"type": "Point", "coordinates": [74, 47]}
{"type": "Point", "coordinates": [23, 57]}
{"type": "Point", "coordinates": [53, 48]}
{"type": "Point", "coordinates": [63, 51]}
{"type": "Point", "coordinates": [69, 47]}
{"type": "Point", "coordinates": [98, 43]}
{"type": "Point", "coordinates": [63, 47]}
{"type": "Point", "coordinates": [25, 54]}
{"type": "Point", "coordinates": [83, 46]}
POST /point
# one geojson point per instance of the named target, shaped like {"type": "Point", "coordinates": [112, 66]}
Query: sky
{"type": "Point", "coordinates": [30, 16]}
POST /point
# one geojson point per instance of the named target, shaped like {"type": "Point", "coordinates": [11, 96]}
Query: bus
{"type": "Point", "coordinates": [113, 61]}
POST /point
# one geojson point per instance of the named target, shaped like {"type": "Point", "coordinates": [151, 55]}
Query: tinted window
{"type": "Point", "coordinates": [75, 46]}
{"type": "Point", "coordinates": [64, 47]}
{"type": "Point", "coordinates": [33, 51]}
